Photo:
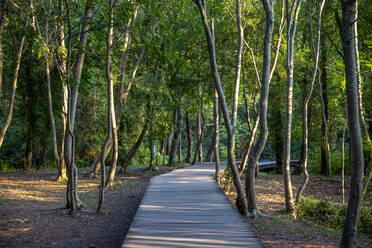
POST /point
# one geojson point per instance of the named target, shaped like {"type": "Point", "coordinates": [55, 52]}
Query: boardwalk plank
{"type": "Point", "coordinates": [186, 208]}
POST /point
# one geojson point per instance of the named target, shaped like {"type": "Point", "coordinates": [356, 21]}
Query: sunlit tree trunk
{"type": "Point", "coordinates": [305, 129]}
{"type": "Point", "coordinates": [216, 122]}
{"type": "Point", "coordinates": [15, 78]}
{"type": "Point", "coordinates": [261, 140]}
{"type": "Point", "coordinates": [110, 92]}
{"type": "Point", "coordinates": [241, 202]}
{"type": "Point", "coordinates": [292, 16]}
{"type": "Point", "coordinates": [73, 201]}
{"type": "Point", "coordinates": [4, 10]}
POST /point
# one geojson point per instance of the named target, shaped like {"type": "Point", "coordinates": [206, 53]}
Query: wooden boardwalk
{"type": "Point", "coordinates": [186, 208]}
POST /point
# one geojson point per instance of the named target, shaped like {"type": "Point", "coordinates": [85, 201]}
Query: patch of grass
{"type": "Point", "coordinates": [5, 167]}
{"type": "Point", "coordinates": [3, 200]}
{"type": "Point", "coordinates": [91, 203]}
{"type": "Point", "coordinates": [120, 185]}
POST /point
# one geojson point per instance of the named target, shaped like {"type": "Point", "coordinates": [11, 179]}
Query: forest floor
{"type": "Point", "coordinates": [282, 231]}
{"type": "Point", "coordinates": [32, 214]}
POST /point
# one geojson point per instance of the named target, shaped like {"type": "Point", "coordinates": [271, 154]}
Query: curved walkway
{"type": "Point", "coordinates": [186, 208]}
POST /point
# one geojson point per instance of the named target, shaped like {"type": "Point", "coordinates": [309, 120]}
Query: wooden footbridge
{"type": "Point", "coordinates": [186, 208]}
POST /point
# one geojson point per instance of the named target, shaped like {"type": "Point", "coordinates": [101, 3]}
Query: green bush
{"type": "Point", "coordinates": [5, 167]}
{"type": "Point", "coordinates": [324, 213]}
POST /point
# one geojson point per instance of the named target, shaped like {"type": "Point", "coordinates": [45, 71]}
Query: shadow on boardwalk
{"type": "Point", "coordinates": [186, 208]}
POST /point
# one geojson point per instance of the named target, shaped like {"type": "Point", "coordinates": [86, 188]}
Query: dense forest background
{"type": "Point", "coordinates": [175, 66]}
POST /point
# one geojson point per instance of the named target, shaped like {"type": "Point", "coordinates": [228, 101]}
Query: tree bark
{"type": "Point", "coordinates": [292, 16]}
{"type": "Point", "coordinates": [62, 176]}
{"type": "Point", "coordinates": [323, 84]}
{"type": "Point", "coordinates": [139, 141]}
{"type": "Point", "coordinates": [110, 98]}
{"type": "Point", "coordinates": [15, 79]}
{"type": "Point", "coordinates": [176, 138]}
{"type": "Point", "coordinates": [73, 201]}
{"type": "Point", "coordinates": [241, 202]}
{"type": "Point", "coordinates": [261, 140]}
{"type": "Point", "coordinates": [189, 138]}
{"type": "Point", "coordinates": [356, 144]}
{"type": "Point", "coordinates": [216, 123]}
{"type": "Point", "coordinates": [305, 129]}
{"type": "Point", "coordinates": [4, 12]}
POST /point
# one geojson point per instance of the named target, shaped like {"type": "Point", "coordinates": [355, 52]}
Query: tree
{"type": "Point", "coordinates": [241, 202]}
{"type": "Point", "coordinates": [261, 140]}
{"type": "Point", "coordinates": [73, 201]}
{"type": "Point", "coordinates": [353, 118]}
{"type": "Point", "coordinates": [292, 16]}
{"type": "Point", "coordinates": [305, 128]}
{"type": "Point", "coordinates": [15, 76]}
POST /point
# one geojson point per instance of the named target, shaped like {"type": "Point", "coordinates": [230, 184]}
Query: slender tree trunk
{"type": "Point", "coordinates": [176, 138]}
{"type": "Point", "coordinates": [261, 140]}
{"type": "Point", "coordinates": [305, 129]}
{"type": "Point", "coordinates": [208, 158]}
{"type": "Point", "coordinates": [241, 200]}
{"type": "Point", "coordinates": [198, 149]}
{"type": "Point", "coordinates": [4, 10]}
{"type": "Point", "coordinates": [189, 139]}
{"type": "Point", "coordinates": [216, 123]}
{"type": "Point", "coordinates": [110, 92]}
{"type": "Point", "coordinates": [93, 170]}
{"type": "Point", "coordinates": [73, 201]}
{"type": "Point", "coordinates": [292, 17]}
{"type": "Point", "coordinates": [343, 166]}
{"type": "Point", "coordinates": [323, 84]}
{"type": "Point", "coordinates": [356, 144]}
{"type": "Point", "coordinates": [151, 146]}
{"type": "Point", "coordinates": [62, 176]}
{"type": "Point", "coordinates": [140, 139]}
{"type": "Point", "coordinates": [15, 79]}
{"type": "Point", "coordinates": [164, 147]}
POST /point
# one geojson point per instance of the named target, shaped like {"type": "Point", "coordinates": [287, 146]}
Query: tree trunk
{"type": "Point", "coordinates": [292, 17]}
{"type": "Point", "coordinates": [356, 145]}
{"type": "Point", "coordinates": [198, 150]}
{"type": "Point", "coordinates": [151, 147]}
{"type": "Point", "coordinates": [73, 201]}
{"type": "Point", "coordinates": [140, 139]}
{"type": "Point", "coordinates": [110, 98]}
{"type": "Point", "coordinates": [261, 140]}
{"type": "Point", "coordinates": [189, 138]}
{"type": "Point", "coordinates": [163, 151]}
{"type": "Point", "coordinates": [15, 79]}
{"type": "Point", "coordinates": [305, 129]}
{"type": "Point", "coordinates": [176, 138]}
{"type": "Point", "coordinates": [62, 176]}
{"type": "Point", "coordinates": [216, 123]}
{"type": "Point", "coordinates": [325, 150]}
{"type": "Point", "coordinates": [241, 202]}
{"type": "Point", "coordinates": [4, 12]}
{"type": "Point", "coordinates": [208, 158]}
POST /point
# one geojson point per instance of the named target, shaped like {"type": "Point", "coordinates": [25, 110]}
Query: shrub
{"type": "Point", "coordinates": [325, 213]}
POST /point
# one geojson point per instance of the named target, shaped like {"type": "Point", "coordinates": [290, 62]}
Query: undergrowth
{"type": "Point", "coordinates": [324, 213]}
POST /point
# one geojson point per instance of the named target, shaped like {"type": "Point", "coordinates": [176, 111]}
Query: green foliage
{"type": "Point", "coordinates": [325, 213]}
{"type": "Point", "coordinates": [5, 167]}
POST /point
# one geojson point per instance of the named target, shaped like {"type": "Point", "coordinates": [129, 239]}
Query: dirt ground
{"type": "Point", "coordinates": [281, 231]}
{"type": "Point", "coordinates": [32, 214]}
